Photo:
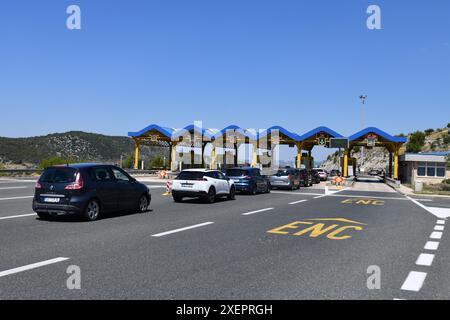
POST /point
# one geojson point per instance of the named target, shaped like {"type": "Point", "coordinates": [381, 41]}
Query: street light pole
{"type": "Point", "coordinates": [363, 101]}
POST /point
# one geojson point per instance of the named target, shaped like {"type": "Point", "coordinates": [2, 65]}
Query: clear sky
{"type": "Point", "coordinates": [255, 63]}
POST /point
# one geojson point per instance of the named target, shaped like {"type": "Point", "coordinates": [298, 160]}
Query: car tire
{"type": "Point", "coordinates": [143, 203]}
{"type": "Point", "coordinates": [254, 190]}
{"type": "Point", "coordinates": [177, 198]}
{"type": "Point", "coordinates": [43, 215]}
{"type": "Point", "coordinates": [92, 211]}
{"type": "Point", "coordinates": [268, 188]}
{"type": "Point", "coordinates": [232, 194]}
{"type": "Point", "coordinates": [211, 196]}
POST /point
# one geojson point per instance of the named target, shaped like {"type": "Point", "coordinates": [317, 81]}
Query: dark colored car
{"type": "Point", "coordinates": [247, 179]}
{"type": "Point", "coordinates": [334, 173]}
{"type": "Point", "coordinates": [315, 176]}
{"type": "Point", "coordinates": [286, 178]}
{"type": "Point", "coordinates": [306, 179]}
{"type": "Point", "coordinates": [88, 190]}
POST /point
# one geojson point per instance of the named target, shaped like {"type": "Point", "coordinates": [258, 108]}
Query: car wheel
{"type": "Point", "coordinates": [43, 215]}
{"type": "Point", "coordinates": [211, 197]}
{"type": "Point", "coordinates": [177, 198]}
{"type": "Point", "coordinates": [268, 188]}
{"type": "Point", "coordinates": [232, 194]}
{"type": "Point", "coordinates": [92, 211]}
{"type": "Point", "coordinates": [143, 203]}
{"type": "Point", "coordinates": [253, 190]}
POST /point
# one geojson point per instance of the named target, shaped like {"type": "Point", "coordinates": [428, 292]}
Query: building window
{"type": "Point", "coordinates": [431, 169]}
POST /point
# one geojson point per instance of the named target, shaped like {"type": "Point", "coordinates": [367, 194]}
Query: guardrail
{"type": "Point", "coordinates": [392, 182]}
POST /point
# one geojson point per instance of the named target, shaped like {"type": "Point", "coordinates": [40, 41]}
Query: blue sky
{"type": "Point", "coordinates": [255, 63]}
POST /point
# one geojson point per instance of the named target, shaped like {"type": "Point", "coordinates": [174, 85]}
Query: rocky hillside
{"type": "Point", "coordinates": [76, 145]}
{"type": "Point", "coordinates": [378, 158]}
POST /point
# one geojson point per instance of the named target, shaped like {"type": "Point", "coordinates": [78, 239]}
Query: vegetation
{"type": "Point", "coordinates": [429, 131]}
{"type": "Point", "coordinates": [128, 162]}
{"type": "Point", "coordinates": [157, 162]}
{"type": "Point", "coordinates": [44, 163]}
{"type": "Point", "coordinates": [416, 142]}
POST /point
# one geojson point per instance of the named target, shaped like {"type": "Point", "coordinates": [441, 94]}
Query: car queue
{"type": "Point", "coordinates": [89, 190]}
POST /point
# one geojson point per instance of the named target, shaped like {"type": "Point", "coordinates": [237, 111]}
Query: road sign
{"type": "Point", "coordinates": [339, 143]}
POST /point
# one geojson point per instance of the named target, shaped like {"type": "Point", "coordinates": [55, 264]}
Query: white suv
{"type": "Point", "coordinates": [202, 183]}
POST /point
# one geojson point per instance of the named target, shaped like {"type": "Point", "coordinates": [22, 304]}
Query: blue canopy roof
{"type": "Point", "coordinates": [378, 132]}
{"type": "Point", "coordinates": [163, 130]}
{"type": "Point", "coordinates": [284, 131]}
{"type": "Point", "coordinates": [245, 133]}
{"type": "Point", "coordinates": [317, 130]}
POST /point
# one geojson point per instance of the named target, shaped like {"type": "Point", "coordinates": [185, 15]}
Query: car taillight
{"type": "Point", "coordinates": [77, 185]}
{"type": "Point", "coordinates": [247, 178]}
{"type": "Point", "coordinates": [37, 185]}
{"type": "Point", "coordinates": [290, 176]}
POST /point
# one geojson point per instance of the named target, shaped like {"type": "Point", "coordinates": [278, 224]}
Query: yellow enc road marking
{"type": "Point", "coordinates": [364, 202]}
{"type": "Point", "coordinates": [314, 228]}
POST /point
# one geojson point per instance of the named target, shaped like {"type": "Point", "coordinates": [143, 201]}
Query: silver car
{"type": "Point", "coordinates": [323, 174]}
{"type": "Point", "coordinates": [286, 178]}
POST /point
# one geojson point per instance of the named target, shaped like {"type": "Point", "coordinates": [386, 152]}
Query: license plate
{"type": "Point", "coordinates": [236, 180]}
{"type": "Point", "coordinates": [51, 200]}
{"type": "Point", "coordinates": [185, 185]}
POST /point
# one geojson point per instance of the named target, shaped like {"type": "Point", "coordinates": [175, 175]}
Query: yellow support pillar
{"type": "Point", "coordinates": [396, 151]}
{"type": "Point", "coordinates": [299, 156]}
{"type": "Point", "coordinates": [136, 155]}
{"type": "Point", "coordinates": [173, 156]}
{"type": "Point", "coordinates": [213, 157]}
{"type": "Point", "coordinates": [345, 164]}
{"type": "Point", "coordinates": [255, 155]}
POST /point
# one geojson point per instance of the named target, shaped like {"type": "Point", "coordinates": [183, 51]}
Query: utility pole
{"type": "Point", "coordinates": [363, 101]}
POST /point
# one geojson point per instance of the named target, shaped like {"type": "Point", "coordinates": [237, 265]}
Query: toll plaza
{"type": "Point", "coordinates": [188, 145]}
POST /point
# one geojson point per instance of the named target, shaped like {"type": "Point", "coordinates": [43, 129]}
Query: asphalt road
{"type": "Point", "coordinates": [256, 247]}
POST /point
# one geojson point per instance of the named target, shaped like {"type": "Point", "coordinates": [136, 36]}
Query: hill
{"type": "Point", "coordinates": [75, 145]}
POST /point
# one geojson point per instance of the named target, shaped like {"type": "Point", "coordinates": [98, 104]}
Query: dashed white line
{"type": "Point", "coordinates": [436, 235]}
{"type": "Point", "coordinates": [431, 245]}
{"type": "Point", "coordinates": [439, 228]}
{"type": "Point", "coordinates": [31, 266]}
{"type": "Point", "coordinates": [295, 202]}
{"type": "Point", "coordinates": [16, 198]}
{"type": "Point", "coordinates": [414, 281]}
{"type": "Point", "coordinates": [256, 211]}
{"type": "Point", "coordinates": [182, 229]}
{"type": "Point", "coordinates": [440, 222]}
{"type": "Point", "coordinates": [425, 259]}
{"type": "Point", "coordinates": [18, 216]}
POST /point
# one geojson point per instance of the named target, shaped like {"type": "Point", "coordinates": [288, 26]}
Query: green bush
{"type": "Point", "coordinates": [157, 162]}
{"type": "Point", "coordinates": [429, 131]}
{"type": "Point", "coordinates": [128, 162]}
{"type": "Point", "coordinates": [44, 163]}
{"type": "Point", "coordinates": [416, 142]}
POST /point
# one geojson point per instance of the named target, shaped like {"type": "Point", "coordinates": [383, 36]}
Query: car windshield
{"type": "Point", "coordinates": [58, 175]}
{"type": "Point", "coordinates": [190, 175]}
{"type": "Point", "coordinates": [236, 172]}
{"type": "Point", "coordinates": [282, 173]}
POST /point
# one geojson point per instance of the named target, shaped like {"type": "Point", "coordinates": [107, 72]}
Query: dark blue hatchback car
{"type": "Point", "coordinates": [88, 190]}
{"type": "Point", "coordinates": [248, 179]}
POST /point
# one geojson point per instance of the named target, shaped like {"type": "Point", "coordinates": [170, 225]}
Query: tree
{"type": "Point", "coordinates": [128, 162]}
{"type": "Point", "coordinates": [429, 131]}
{"type": "Point", "coordinates": [44, 163]}
{"type": "Point", "coordinates": [157, 162]}
{"type": "Point", "coordinates": [416, 142]}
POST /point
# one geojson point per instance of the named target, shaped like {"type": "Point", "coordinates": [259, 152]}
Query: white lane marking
{"type": "Point", "coordinates": [439, 228]}
{"type": "Point", "coordinates": [431, 245]}
{"type": "Point", "coordinates": [318, 197]}
{"type": "Point", "coordinates": [440, 222]}
{"type": "Point", "coordinates": [295, 202]}
{"type": "Point", "coordinates": [330, 194]}
{"type": "Point", "coordinates": [256, 211]}
{"type": "Point", "coordinates": [182, 229]}
{"type": "Point", "coordinates": [15, 180]}
{"type": "Point", "coordinates": [18, 216]}
{"type": "Point", "coordinates": [31, 266]}
{"type": "Point", "coordinates": [16, 198]}
{"type": "Point", "coordinates": [414, 281]}
{"type": "Point", "coordinates": [436, 235]}
{"type": "Point", "coordinates": [11, 188]}
{"type": "Point", "coordinates": [438, 212]}
{"type": "Point", "coordinates": [154, 187]}
{"type": "Point", "coordinates": [425, 259]}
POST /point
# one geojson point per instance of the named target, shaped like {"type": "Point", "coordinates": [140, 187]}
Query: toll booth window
{"type": "Point", "coordinates": [421, 169]}
{"type": "Point", "coordinates": [440, 170]}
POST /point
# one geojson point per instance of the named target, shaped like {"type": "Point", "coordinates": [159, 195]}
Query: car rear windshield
{"type": "Point", "coordinates": [283, 173]}
{"type": "Point", "coordinates": [190, 175]}
{"type": "Point", "coordinates": [58, 175]}
{"type": "Point", "coordinates": [237, 172]}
